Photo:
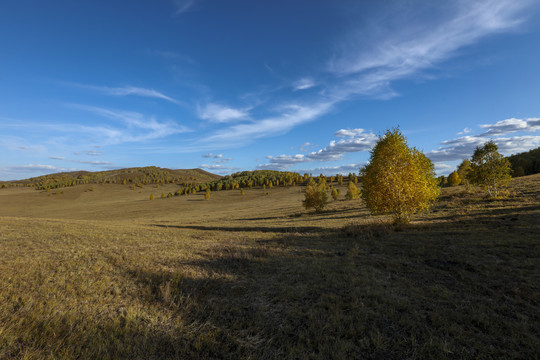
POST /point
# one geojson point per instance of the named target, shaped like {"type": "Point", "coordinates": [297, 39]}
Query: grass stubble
{"type": "Point", "coordinates": [255, 277]}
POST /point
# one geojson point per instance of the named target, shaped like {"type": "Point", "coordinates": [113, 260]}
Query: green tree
{"type": "Point", "coordinates": [398, 180]}
{"type": "Point", "coordinates": [316, 197]}
{"type": "Point", "coordinates": [489, 169]}
{"type": "Point", "coordinates": [453, 178]}
{"type": "Point", "coordinates": [352, 191]}
{"type": "Point", "coordinates": [464, 170]}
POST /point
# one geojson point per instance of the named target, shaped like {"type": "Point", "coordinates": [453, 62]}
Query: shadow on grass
{"type": "Point", "coordinates": [367, 291]}
{"type": "Point", "coordinates": [372, 291]}
{"type": "Point", "coordinates": [264, 229]}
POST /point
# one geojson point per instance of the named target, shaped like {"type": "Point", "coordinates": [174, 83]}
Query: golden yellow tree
{"type": "Point", "coordinates": [334, 194]}
{"type": "Point", "coordinates": [316, 197]}
{"type": "Point", "coordinates": [454, 179]}
{"type": "Point", "coordinates": [398, 180]}
{"type": "Point", "coordinates": [352, 191]}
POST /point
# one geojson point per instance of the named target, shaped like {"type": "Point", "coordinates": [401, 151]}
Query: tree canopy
{"type": "Point", "coordinates": [489, 168]}
{"type": "Point", "coordinates": [398, 180]}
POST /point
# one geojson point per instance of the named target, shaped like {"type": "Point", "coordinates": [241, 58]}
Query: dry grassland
{"type": "Point", "coordinates": [110, 274]}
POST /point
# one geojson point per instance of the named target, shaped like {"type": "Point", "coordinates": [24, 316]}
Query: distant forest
{"type": "Point", "coordinates": [526, 163]}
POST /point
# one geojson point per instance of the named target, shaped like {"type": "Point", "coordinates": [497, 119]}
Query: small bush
{"type": "Point", "coordinates": [352, 191]}
{"type": "Point", "coordinates": [316, 197]}
{"type": "Point", "coordinates": [151, 196]}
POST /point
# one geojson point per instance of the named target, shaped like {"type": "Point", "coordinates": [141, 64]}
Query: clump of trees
{"type": "Point", "coordinates": [316, 196]}
{"type": "Point", "coordinates": [526, 163]}
{"type": "Point", "coordinates": [398, 180]}
{"type": "Point", "coordinates": [490, 169]}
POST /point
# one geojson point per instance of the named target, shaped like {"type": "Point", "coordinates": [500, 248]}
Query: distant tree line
{"type": "Point", "coordinates": [525, 163]}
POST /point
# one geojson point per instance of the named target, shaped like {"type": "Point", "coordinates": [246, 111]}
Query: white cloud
{"type": "Point", "coordinates": [207, 156]}
{"type": "Point", "coordinates": [218, 156]}
{"type": "Point", "coordinates": [222, 114]}
{"type": "Point", "coordinates": [511, 125]}
{"type": "Point", "coordinates": [129, 90]}
{"type": "Point", "coordinates": [304, 84]}
{"type": "Point", "coordinates": [369, 64]}
{"type": "Point", "coordinates": [357, 140]}
{"type": "Point", "coordinates": [183, 6]}
{"type": "Point", "coordinates": [465, 131]}
{"type": "Point", "coordinates": [463, 147]}
{"type": "Point", "coordinates": [406, 50]}
{"type": "Point", "coordinates": [56, 157]}
{"type": "Point", "coordinates": [139, 127]}
{"type": "Point", "coordinates": [32, 168]}
{"type": "Point", "coordinates": [291, 116]}
{"type": "Point", "coordinates": [219, 169]}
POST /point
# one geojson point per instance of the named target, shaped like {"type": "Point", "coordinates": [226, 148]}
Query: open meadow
{"type": "Point", "coordinates": [100, 271]}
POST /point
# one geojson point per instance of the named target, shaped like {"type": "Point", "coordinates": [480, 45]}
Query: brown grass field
{"type": "Point", "coordinates": [109, 274]}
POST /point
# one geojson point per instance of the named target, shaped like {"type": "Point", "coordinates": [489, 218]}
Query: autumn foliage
{"type": "Point", "coordinates": [316, 196]}
{"type": "Point", "coordinates": [489, 169]}
{"type": "Point", "coordinates": [398, 180]}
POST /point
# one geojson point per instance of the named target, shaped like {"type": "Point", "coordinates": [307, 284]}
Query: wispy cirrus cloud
{"type": "Point", "coordinates": [369, 67]}
{"type": "Point", "coordinates": [291, 115]}
{"type": "Point", "coordinates": [33, 168]}
{"type": "Point", "coordinates": [304, 84]}
{"type": "Point", "coordinates": [128, 90]}
{"type": "Point", "coordinates": [183, 6]}
{"type": "Point", "coordinates": [221, 114]}
{"type": "Point", "coordinates": [87, 162]}
{"type": "Point", "coordinates": [138, 127]}
{"type": "Point", "coordinates": [371, 60]}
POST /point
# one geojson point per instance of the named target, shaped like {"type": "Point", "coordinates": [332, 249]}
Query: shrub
{"type": "Point", "coordinates": [352, 191]}
{"type": "Point", "coordinates": [398, 180]}
{"type": "Point", "coordinates": [207, 194]}
{"type": "Point", "coordinates": [316, 197]}
{"type": "Point", "coordinates": [151, 196]}
{"type": "Point", "coordinates": [334, 194]}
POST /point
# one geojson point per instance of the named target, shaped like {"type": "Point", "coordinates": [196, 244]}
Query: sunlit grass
{"type": "Point", "coordinates": [257, 277]}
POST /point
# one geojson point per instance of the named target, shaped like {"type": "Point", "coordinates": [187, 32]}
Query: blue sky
{"type": "Point", "coordinates": [226, 86]}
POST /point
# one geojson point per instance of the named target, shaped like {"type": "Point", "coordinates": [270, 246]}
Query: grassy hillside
{"type": "Point", "coordinates": [141, 176]}
{"type": "Point", "coordinates": [110, 274]}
